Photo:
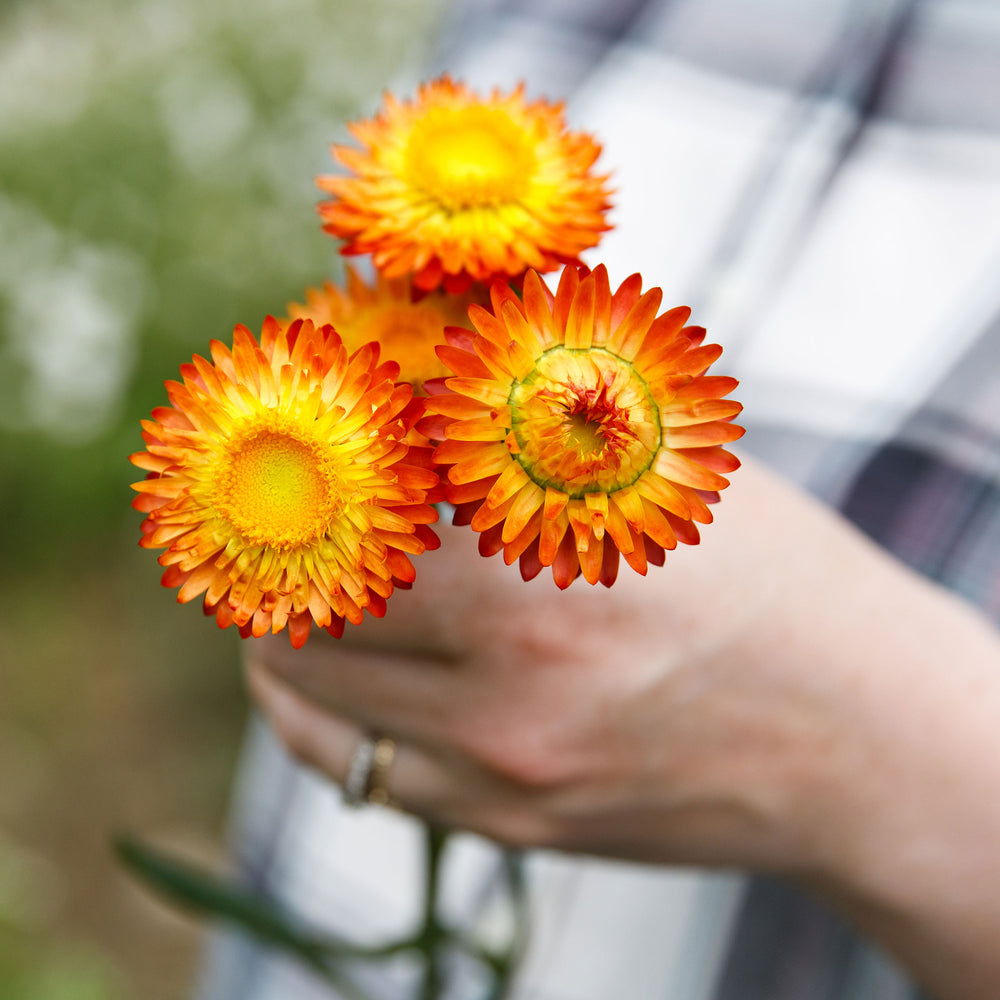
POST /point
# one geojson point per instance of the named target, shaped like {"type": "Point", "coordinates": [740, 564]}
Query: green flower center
{"type": "Point", "coordinates": [584, 421]}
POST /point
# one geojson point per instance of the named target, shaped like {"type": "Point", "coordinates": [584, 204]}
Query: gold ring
{"type": "Point", "coordinates": [383, 754]}
{"type": "Point", "coordinates": [368, 772]}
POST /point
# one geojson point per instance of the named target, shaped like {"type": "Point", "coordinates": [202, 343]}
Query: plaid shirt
{"type": "Point", "coordinates": [821, 182]}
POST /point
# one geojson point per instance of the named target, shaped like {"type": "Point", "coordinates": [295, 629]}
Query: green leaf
{"type": "Point", "coordinates": [202, 892]}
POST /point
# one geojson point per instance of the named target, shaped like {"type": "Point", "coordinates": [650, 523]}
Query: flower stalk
{"type": "Point", "coordinates": [208, 895]}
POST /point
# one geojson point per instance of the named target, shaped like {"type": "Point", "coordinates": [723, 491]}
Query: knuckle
{"type": "Point", "coordinates": [527, 759]}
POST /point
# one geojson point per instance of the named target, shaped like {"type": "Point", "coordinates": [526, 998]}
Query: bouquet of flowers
{"type": "Point", "coordinates": [294, 478]}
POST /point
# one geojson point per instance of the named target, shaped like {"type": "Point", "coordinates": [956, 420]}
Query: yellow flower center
{"type": "Point", "coordinates": [277, 486]}
{"type": "Point", "coordinates": [466, 157]}
{"type": "Point", "coordinates": [584, 421]}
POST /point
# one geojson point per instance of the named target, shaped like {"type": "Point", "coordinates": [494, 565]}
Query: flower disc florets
{"type": "Point", "coordinates": [581, 427]}
{"type": "Point", "coordinates": [583, 421]}
{"type": "Point", "coordinates": [280, 486]}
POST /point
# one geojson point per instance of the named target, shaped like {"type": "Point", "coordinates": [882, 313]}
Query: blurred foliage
{"type": "Point", "coordinates": [156, 170]}
{"type": "Point", "coordinates": [156, 187]}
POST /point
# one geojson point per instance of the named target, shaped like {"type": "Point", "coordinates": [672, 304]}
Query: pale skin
{"type": "Point", "coordinates": [784, 697]}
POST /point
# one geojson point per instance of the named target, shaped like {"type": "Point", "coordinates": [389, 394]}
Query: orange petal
{"type": "Point", "coordinates": [677, 468]}
{"type": "Point", "coordinates": [592, 559]}
{"type": "Point", "coordinates": [682, 414]}
{"type": "Point", "coordinates": [569, 282]}
{"type": "Point", "coordinates": [609, 568]}
{"type": "Point", "coordinates": [602, 306]}
{"type": "Point", "coordinates": [490, 542]}
{"type": "Point", "coordinates": [485, 390]}
{"type": "Point", "coordinates": [696, 361]}
{"type": "Point", "coordinates": [450, 404]}
{"type": "Point", "coordinates": [486, 517]}
{"type": "Point", "coordinates": [629, 503]}
{"type": "Point", "coordinates": [529, 563]}
{"type": "Point", "coordinates": [538, 305]}
{"type": "Point", "coordinates": [636, 556]}
{"type": "Point", "coordinates": [707, 387]}
{"type": "Point", "coordinates": [476, 489]}
{"type": "Point", "coordinates": [451, 451]}
{"type": "Point", "coordinates": [517, 546]}
{"type": "Point", "coordinates": [716, 459]}
{"type": "Point", "coordinates": [664, 329]}
{"type": "Point", "coordinates": [555, 502]}
{"type": "Point", "coordinates": [522, 331]}
{"type": "Point", "coordinates": [579, 332]}
{"type": "Point", "coordinates": [508, 483]}
{"type": "Point", "coordinates": [566, 565]}
{"type": "Point", "coordinates": [550, 537]}
{"type": "Point", "coordinates": [298, 629]}
{"type": "Point", "coordinates": [653, 486]}
{"type": "Point", "coordinates": [625, 298]}
{"type": "Point", "coordinates": [627, 338]}
{"type": "Point", "coordinates": [686, 531]}
{"type": "Point", "coordinates": [476, 430]}
{"type": "Point", "coordinates": [461, 362]}
{"type": "Point", "coordinates": [525, 505]}
{"type": "Point", "coordinates": [658, 526]}
{"type": "Point", "coordinates": [618, 529]}
{"type": "Point", "coordinates": [702, 435]}
{"type": "Point", "coordinates": [491, 461]}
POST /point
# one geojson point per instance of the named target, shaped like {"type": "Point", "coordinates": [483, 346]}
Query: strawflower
{"type": "Point", "coordinates": [279, 485]}
{"type": "Point", "coordinates": [582, 427]}
{"type": "Point", "coordinates": [452, 187]}
{"type": "Point", "coordinates": [407, 325]}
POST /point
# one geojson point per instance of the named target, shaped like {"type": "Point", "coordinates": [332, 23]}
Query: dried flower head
{"type": "Point", "coordinates": [453, 187]}
{"type": "Point", "coordinates": [279, 484]}
{"type": "Point", "coordinates": [582, 427]}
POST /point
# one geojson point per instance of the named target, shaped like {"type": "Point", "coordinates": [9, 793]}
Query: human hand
{"type": "Point", "coordinates": [666, 718]}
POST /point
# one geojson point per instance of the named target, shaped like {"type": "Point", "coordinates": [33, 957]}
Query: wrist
{"type": "Point", "coordinates": [899, 827]}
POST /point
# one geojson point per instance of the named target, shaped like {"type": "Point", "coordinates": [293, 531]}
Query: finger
{"type": "Point", "coordinates": [315, 737]}
{"type": "Point", "coordinates": [380, 692]}
{"type": "Point", "coordinates": [327, 742]}
{"type": "Point", "coordinates": [446, 789]}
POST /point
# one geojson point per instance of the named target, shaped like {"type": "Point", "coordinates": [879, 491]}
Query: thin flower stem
{"type": "Point", "coordinates": [339, 950]}
{"type": "Point", "coordinates": [507, 962]}
{"type": "Point", "coordinates": [205, 893]}
{"type": "Point", "coordinates": [343, 984]}
{"type": "Point", "coordinates": [502, 964]}
{"type": "Point", "coordinates": [432, 934]}
{"type": "Point", "coordinates": [496, 963]}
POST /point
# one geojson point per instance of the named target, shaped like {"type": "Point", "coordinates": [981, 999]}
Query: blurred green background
{"type": "Point", "coordinates": [156, 187]}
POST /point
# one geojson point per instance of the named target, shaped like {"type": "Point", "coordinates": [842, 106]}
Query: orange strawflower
{"type": "Point", "coordinates": [452, 188]}
{"type": "Point", "coordinates": [581, 427]}
{"type": "Point", "coordinates": [279, 484]}
{"type": "Point", "coordinates": [407, 326]}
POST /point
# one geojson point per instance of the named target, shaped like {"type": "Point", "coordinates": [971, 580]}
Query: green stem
{"type": "Point", "coordinates": [507, 962]}
{"type": "Point", "coordinates": [433, 933]}
{"type": "Point", "coordinates": [343, 984]}
{"type": "Point", "coordinates": [204, 893]}
{"type": "Point", "coordinates": [502, 964]}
